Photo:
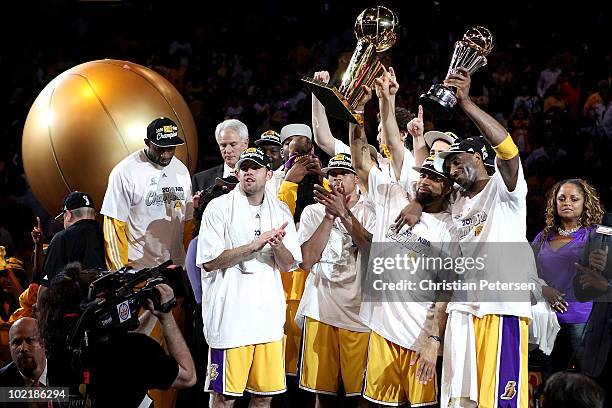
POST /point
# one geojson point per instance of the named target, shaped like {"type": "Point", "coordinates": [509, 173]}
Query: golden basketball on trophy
{"type": "Point", "coordinates": [376, 32]}
{"type": "Point", "coordinates": [470, 53]}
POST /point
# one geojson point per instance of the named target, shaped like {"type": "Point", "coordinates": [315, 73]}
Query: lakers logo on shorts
{"type": "Point", "coordinates": [510, 390]}
{"type": "Point", "coordinates": [478, 230]}
{"type": "Point", "coordinates": [212, 372]}
{"type": "Point", "coordinates": [177, 205]}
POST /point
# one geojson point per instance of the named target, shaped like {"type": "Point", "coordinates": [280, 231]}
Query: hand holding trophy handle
{"type": "Point", "coordinates": [459, 81]}
{"type": "Point", "coordinates": [470, 53]}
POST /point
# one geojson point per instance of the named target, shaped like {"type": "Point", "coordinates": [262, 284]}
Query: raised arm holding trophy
{"type": "Point", "coordinates": [470, 53]}
{"type": "Point", "coordinates": [376, 32]}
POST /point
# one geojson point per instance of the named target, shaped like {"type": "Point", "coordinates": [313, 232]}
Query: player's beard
{"type": "Point", "coordinates": [251, 188]}
{"type": "Point", "coordinates": [425, 198]}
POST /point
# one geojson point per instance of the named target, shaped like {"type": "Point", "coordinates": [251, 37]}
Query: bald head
{"type": "Point", "coordinates": [27, 350]}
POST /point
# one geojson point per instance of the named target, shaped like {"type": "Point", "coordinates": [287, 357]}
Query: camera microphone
{"type": "Point", "coordinates": [604, 231]}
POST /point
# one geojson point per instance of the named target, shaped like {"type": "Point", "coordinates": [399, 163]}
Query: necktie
{"type": "Point", "coordinates": [39, 386]}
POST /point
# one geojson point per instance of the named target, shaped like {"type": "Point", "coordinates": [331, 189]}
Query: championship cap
{"type": "Point", "coordinates": [254, 154]}
{"type": "Point", "coordinates": [163, 132]}
{"type": "Point", "coordinates": [428, 167]}
{"type": "Point", "coordinates": [269, 137]}
{"type": "Point", "coordinates": [471, 145]}
{"type": "Point", "coordinates": [340, 161]}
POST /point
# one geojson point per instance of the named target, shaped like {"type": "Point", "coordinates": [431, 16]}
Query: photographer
{"type": "Point", "coordinates": [112, 362]}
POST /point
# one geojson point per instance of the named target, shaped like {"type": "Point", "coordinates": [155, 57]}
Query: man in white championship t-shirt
{"type": "Point", "coordinates": [402, 356]}
{"type": "Point", "coordinates": [148, 204]}
{"type": "Point", "coordinates": [485, 353]}
{"type": "Point", "coordinates": [247, 237]}
{"type": "Point", "coordinates": [334, 340]}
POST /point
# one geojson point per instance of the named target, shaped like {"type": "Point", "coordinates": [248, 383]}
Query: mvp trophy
{"type": "Point", "coordinates": [375, 29]}
{"type": "Point", "coordinates": [470, 53]}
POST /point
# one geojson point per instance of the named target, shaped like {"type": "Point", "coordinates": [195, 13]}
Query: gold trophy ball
{"type": "Point", "coordinates": [480, 38]}
{"type": "Point", "coordinates": [377, 25]}
{"type": "Point", "coordinates": [89, 118]}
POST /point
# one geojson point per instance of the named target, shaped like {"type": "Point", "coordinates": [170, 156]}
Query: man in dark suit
{"type": "Point", "coordinates": [233, 138]}
{"type": "Point", "coordinates": [29, 365]}
{"type": "Point", "coordinates": [594, 282]}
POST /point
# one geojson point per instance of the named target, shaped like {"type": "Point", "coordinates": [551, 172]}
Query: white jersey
{"type": "Point", "coordinates": [408, 175]}
{"type": "Point", "coordinates": [332, 293]}
{"type": "Point", "coordinates": [274, 183]}
{"type": "Point", "coordinates": [493, 224]}
{"type": "Point", "coordinates": [155, 202]}
{"type": "Point", "coordinates": [242, 308]}
{"type": "Point", "coordinates": [402, 320]}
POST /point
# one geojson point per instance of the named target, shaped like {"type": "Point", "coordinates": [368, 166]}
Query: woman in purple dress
{"type": "Point", "coordinates": [572, 211]}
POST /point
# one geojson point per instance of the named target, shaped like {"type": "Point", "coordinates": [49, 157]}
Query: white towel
{"type": "Point", "coordinates": [240, 229]}
{"type": "Point", "coordinates": [543, 327]}
{"type": "Point", "coordinates": [459, 370]}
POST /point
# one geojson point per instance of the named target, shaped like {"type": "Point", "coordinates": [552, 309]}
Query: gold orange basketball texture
{"type": "Point", "coordinates": [88, 119]}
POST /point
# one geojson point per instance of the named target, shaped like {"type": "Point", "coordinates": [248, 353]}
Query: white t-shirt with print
{"type": "Point", "coordinates": [155, 202]}
{"type": "Point", "coordinates": [241, 308]}
{"type": "Point", "coordinates": [493, 224]}
{"type": "Point", "coordinates": [401, 321]}
{"type": "Point", "coordinates": [332, 293]}
{"type": "Point", "coordinates": [408, 175]}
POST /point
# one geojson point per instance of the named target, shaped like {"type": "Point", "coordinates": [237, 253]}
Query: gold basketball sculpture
{"type": "Point", "coordinates": [88, 119]}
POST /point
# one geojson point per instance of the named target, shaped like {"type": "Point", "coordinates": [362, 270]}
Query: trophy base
{"type": "Point", "coordinates": [439, 100]}
{"type": "Point", "coordinates": [334, 102]}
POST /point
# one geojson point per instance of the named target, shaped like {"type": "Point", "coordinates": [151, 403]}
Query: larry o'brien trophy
{"type": "Point", "coordinates": [376, 32]}
{"type": "Point", "coordinates": [470, 53]}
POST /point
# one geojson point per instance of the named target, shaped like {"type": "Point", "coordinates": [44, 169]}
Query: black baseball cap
{"type": "Point", "coordinates": [74, 200]}
{"type": "Point", "coordinates": [254, 154]}
{"type": "Point", "coordinates": [340, 161]}
{"type": "Point", "coordinates": [163, 132]}
{"type": "Point", "coordinates": [269, 137]}
{"type": "Point", "coordinates": [471, 145]}
{"type": "Point", "coordinates": [428, 167]}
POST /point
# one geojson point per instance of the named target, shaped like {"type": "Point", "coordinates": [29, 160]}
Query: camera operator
{"type": "Point", "coordinates": [115, 362]}
{"type": "Point", "coordinates": [593, 281]}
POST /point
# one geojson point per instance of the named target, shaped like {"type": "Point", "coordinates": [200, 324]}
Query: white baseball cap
{"type": "Point", "coordinates": [433, 135]}
{"type": "Point", "coordinates": [295, 129]}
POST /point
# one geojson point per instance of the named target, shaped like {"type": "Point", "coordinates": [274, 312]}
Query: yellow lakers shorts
{"type": "Point", "coordinates": [329, 355]}
{"type": "Point", "coordinates": [391, 380]}
{"type": "Point", "coordinates": [258, 369]}
{"type": "Point", "coordinates": [501, 358]}
{"type": "Point", "coordinates": [293, 335]}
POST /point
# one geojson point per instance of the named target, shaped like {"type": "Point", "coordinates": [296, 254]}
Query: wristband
{"type": "Point", "coordinates": [506, 150]}
{"type": "Point", "coordinates": [358, 115]}
{"type": "Point", "coordinates": [385, 150]}
{"type": "Point", "coordinates": [436, 338]}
